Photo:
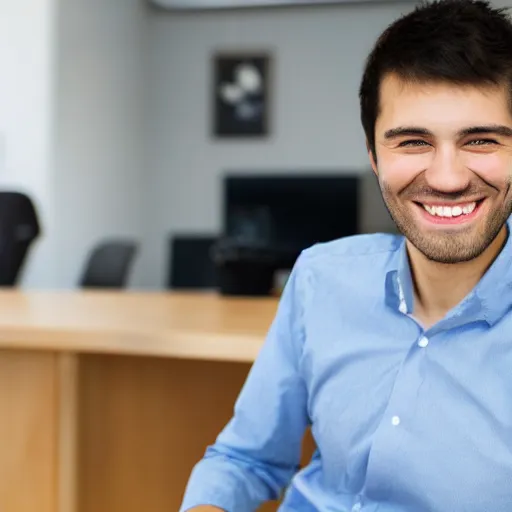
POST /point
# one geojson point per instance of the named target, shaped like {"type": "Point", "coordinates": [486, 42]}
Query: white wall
{"type": "Point", "coordinates": [319, 55]}
{"type": "Point", "coordinates": [27, 46]}
{"type": "Point", "coordinates": [100, 173]}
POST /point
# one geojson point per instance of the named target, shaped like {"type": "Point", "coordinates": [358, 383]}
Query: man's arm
{"type": "Point", "coordinates": [258, 452]}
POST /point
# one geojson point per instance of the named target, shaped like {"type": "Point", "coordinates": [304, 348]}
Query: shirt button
{"type": "Point", "coordinates": [423, 342]}
{"type": "Point", "coordinates": [356, 507]}
{"type": "Point", "coordinates": [395, 421]}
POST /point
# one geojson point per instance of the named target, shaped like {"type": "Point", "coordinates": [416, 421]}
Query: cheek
{"type": "Point", "coordinates": [495, 168]}
{"type": "Point", "coordinates": [398, 170]}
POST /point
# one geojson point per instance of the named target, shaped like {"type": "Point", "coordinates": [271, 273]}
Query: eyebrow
{"type": "Point", "coordinates": [415, 131]}
{"type": "Point", "coordinates": [404, 131]}
{"type": "Point", "coordinates": [495, 129]}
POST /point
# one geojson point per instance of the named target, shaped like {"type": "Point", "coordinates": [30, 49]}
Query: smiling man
{"type": "Point", "coordinates": [397, 351]}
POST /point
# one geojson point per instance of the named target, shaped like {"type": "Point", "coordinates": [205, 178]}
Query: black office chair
{"type": "Point", "coordinates": [191, 264]}
{"type": "Point", "coordinates": [109, 265]}
{"type": "Point", "coordinates": [19, 227]}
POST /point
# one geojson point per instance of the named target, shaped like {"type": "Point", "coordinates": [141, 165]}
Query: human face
{"type": "Point", "coordinates": [444, 164]}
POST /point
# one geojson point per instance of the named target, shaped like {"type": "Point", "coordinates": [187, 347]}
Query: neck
{"type": "Point", "coordinates": [439, 287]}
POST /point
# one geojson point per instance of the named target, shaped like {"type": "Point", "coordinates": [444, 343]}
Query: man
{"type": "Point", "coordinates": [397, 350]}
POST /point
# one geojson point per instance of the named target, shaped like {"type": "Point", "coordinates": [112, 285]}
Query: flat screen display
{"type": "Point", "coordinates": [290, 212]}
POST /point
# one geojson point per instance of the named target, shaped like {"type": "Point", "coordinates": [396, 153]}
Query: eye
{"type": "Point", "coordinates": [481, 142]}
{"type": "Point", "coordinates": [413, 143]}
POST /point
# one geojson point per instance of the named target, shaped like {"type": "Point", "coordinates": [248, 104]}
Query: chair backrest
{"type": "Point", "coordinates": [19, 227]}
{"type": "Point", "coordinates": [109, 264]}
{"type": "Point", "coordinates": [191, 263]}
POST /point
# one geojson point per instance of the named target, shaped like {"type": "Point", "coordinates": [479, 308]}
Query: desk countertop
{"type": "Point", "coordinates": [184, 325]}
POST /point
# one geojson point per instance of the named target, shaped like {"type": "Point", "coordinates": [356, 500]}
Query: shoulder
{"type": "Point", "coordinates": [344, 269]}
{"type": "Point", "coordinates": [358, 261]}
{"type": "Point", "coordinates": [362, 250]}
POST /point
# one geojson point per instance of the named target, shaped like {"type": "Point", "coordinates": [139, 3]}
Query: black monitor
{"type": "Point", "coordinates": [290, 211]}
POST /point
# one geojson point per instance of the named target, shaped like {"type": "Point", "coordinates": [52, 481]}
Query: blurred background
{"type": "Point", "coordinates": [150, 123]}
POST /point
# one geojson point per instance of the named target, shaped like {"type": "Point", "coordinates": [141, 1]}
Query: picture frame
{"type": "Point", "coordinates": [241, 94]}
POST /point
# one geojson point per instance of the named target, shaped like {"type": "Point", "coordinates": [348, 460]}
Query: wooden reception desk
{"type": "Point", "coordinates": [108, 399]}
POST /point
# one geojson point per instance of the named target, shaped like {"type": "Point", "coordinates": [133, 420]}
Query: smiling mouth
{"type": "Point", "coordinates": [450, 214]}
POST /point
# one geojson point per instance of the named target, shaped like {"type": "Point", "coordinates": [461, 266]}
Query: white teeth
{"type": "Point", "coordinates": [447, 211]}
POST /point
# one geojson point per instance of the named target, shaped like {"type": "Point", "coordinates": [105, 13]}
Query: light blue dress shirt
{"type": "Point", "coordinates": [404, 419]}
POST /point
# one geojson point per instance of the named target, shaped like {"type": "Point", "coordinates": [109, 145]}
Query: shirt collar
{"type": "Point", "coordinates": [489, 300]}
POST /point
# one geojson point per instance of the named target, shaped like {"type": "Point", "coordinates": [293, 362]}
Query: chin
{"type": "Point", "coordinates": [450, 249]}
{"type": "Point", "coordinates": [450, 259]}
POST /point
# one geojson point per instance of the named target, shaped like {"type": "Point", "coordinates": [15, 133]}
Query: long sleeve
{"type": "Point", "coordinates": [258, 452]}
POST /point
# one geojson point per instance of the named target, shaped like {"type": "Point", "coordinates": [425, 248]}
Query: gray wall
{"type": "Point", "coordinates": [319, 55]}
{"type": "Point", "coordinates": [100, 173]}
{"type": "Point", "coordinates": [26, 104]}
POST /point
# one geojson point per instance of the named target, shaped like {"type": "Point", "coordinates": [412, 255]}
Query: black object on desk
{"type": "Point", "coordinates": [191, 264]}
{"type": "Point", "coordinates": [245, 269]}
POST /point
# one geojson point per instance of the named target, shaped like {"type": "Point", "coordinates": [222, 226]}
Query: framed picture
{"type": "Point", "coordinates": [241, 95]}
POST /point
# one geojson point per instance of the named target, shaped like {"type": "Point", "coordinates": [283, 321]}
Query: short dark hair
{"type": "Point", "coordinates": [465, 42]}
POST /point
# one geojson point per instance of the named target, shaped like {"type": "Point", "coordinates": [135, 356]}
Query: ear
{"type": "Point", "coordinates": [373, 162]}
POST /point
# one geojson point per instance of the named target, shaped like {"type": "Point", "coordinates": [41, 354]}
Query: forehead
{"type": "Point", "coordinates": [440, 105]}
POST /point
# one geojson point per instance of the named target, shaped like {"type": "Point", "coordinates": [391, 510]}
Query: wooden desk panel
{"type": "Point", "coordinates": [28, 432]}
{"type": "Point", "coordinates": [144, 423]}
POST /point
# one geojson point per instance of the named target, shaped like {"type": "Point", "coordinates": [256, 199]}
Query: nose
{"type": "Point", "coordinates": [446, 172]}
